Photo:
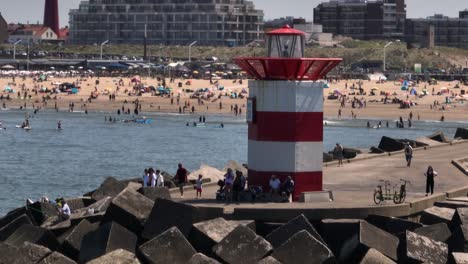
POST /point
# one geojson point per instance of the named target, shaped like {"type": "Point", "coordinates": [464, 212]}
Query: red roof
{"type": "Point", "coordinates": [63, 33]}
{"type": "Point", "coordinates": [286, 30]}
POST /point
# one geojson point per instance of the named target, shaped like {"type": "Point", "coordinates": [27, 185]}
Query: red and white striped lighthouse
{"type": "Point", "coordinates": [285, 112]}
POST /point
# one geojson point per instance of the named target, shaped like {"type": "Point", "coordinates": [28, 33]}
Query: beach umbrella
{"type": "Point", "coordinates": [375, 89]}
{"type": "Point", "coordinates": [326, 85]}
{"type": "Point", "coordinates": [8, 67]}
{"type": "Point", "coordinates": [404, 88]}
{"type": "Point", "coordinates": [337, 91]}
{"type": "Point", "coordinates": [195, 72]}
{"type": "Point", "coordinates": [8, 89]}
{"type": "Point", "coordinates": [443, 88]}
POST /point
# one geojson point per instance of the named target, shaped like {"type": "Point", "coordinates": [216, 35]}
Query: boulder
{"type": "Point", "coordinates": [461, 133]}
{"type": "Point", "coordinates": [375, 150]}
{"type": "Point", "coordinates": [134, 186]}
{"type": "Point", "coordinates": [438, 232]}
{"type": "Point", "coordinates": [56, 258]}
{"type": "Point", "coordinates": [204, 235]}
{"type": "Point", "coordinates": [9, 254]}
{"type": "Point", "coordinates": [390, 145]}
{"type": "Point", "coordinates": [459, 240]}
{"type": "Point", "coordinates": [56, 225]}
{"type": "Point", "coordinates": [166, 214]}
{"type": "Point", "coordinates": [42, 211]}
{"type": "Point", "coordinates": [373, 237]}
{"type": "Point", "coordinates": [32, 234]}
{"type": "Point", "coordinates": [12, 215]}
{"type": "Point", "coordinates": [283, 233]}
{"type": "Point", "coordinates": [107, 238]}
{"type": "Point", "coordinates": [265, 228]}
{"type": "Point", "coordinates": [242, 244]}
{"type": "Point", "coordinates": [375, 257]}
{"type": "Point", "coordinates": [341, 236]}
{"type": "Point", "coordinates": [119, 256]}
{"type": "Point", "coordinates": [460, 258]}
{"type": "Point", "coordinates": [71, 245]}
{"type": "Point", "coordinates": [155, 193]}
{"type": "Point", "coordinates": [303, 248]}
{"type": "Point", "coordinates": [110, 187]}
{"type": "Point", "coordinates": [269, 260]}
{"type": "Point", "coordinates": [349, 153]}
{"type": "Point", "coordinates": [424, 249]}
{"type": "Point", "coordinates": [79, 202]}
{"type": "Point", "coordinates": [93, 213]}
{"type": "Point", "coordinates": [168, 247]}
{"type": "Point", "coordinates": [451, 204]}
{"type": "Point", "coordinates": [435, 215]}
{"type": "Point", "coordinates": [11, 227]}
{"type": "Point", "coordinates": [463, 215]}
{"type": "Point", "coordinates": [392, 225]}
{"type": "Point", "coordinates": [31, 253]}
{"type": "Point", "coordinates": [439, 137]}
{"type": "Point", "coordinates": [129, 209]}
{"type": "Point", "coordinates": [202, 259]}
{"type": "Point", "coordinates": [327, 157]}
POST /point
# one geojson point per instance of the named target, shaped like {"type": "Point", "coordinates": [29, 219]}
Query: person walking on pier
{"type": "Point", "coordinates": [181, 178]}
{"type": "Point", "coordinates": [338, 152]}
{"type": "Point", "coordinates": [408, 154]}
{"type": "Point", "coordinates": [430, 174]}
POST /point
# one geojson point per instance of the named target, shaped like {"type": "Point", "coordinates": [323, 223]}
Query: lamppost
{"type": "Point", "coordinates": [190, 51]}
{"type": "Point", "coordinates": [14, 48]}
{"type": "Point", "coordinates": [385, 54]}
{"type": "Point", "coordinates": [102, 45]}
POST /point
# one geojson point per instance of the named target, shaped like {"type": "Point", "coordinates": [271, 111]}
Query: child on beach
{"type": "Point", "coordinates": [199, 185]}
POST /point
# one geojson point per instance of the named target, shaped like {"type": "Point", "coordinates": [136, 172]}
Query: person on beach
{"type": "Point", "coordinates": [181, 179]}
{"type": "Point", "coordinates": [228, 183]}
{"type": "Point", "coordinates": [338, 151]}
{"type": "Point", "coordinates": [159, 179]}
{"type": "Point", "coordinates": [145, 178]}
{"type": "Point", "coordinates": [408, 154]}
{"type": "Point", "coordinates": [199, 186]}
{"type": "Point", "coordinates": [430, 174]}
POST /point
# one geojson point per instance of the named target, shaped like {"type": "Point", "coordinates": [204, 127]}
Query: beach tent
{"type": "Point", "coordinates": [326, 85]}
{"type": "Point", "coordinates": [8, 67]}
{"type": "Point", "coordinates": [337, 91]}
{"type": "Point", "coordinates": [8, 89]}
{"type": "Point", "coordinates": [375, 89]}
{"type": "Point", "coordinates": [404, 88]}
{"type": "Point", "coordinates": [413, 92]}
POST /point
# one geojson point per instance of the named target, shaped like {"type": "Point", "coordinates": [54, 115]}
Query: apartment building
{"type": "Point", "coordinates": [170, 22]}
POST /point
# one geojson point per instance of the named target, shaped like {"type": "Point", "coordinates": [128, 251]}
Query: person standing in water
{"type": "Point", "coordinates": [59, 125]}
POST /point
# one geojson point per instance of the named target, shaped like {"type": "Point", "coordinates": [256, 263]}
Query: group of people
{"type": "Point", "coordinates": [152, 178]}
{"type": "Point", "coordinates": [430, 173]}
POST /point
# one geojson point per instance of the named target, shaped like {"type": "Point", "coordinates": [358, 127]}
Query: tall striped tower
{"type": "Point", "coordinates": [51, 15]}
{"type": "Point", "coordinates": [285, 113]}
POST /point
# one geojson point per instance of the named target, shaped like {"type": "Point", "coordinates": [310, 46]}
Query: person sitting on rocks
{"type": "Point", "coordinates": [64, 210]}
{"type": "Point", "coordinates": [275, 185]}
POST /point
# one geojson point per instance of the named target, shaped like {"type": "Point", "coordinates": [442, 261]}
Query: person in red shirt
{"type": "Point", "coordinates": [181, 178]}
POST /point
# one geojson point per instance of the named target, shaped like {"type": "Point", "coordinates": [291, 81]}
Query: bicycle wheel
{"type": "Point", "coordinates": [403, 196]}
{"type": "Point", "coordinates": [377, 197]}
{"type": "Point", "coordinates": [397, 198]}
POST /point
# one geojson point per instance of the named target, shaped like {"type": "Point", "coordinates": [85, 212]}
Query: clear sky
{"type": "Point", "coordinates": [32, 10]}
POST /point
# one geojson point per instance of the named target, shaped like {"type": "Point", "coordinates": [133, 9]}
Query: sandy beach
{"type": "Point", "coordinates": [374, 106]}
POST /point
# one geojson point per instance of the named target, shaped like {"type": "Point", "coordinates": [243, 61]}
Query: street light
{"type": "Point", "coordinates": [385, 54]}
{"type": "Point", "coordinates": [102, 45]}
{"type": "Point", "coordinates": [190, 51]}
{"type": "Point", "coordinates": [14, 48]}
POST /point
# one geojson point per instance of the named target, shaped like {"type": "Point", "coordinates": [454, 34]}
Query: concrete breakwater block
{"type": "Point", "coordinates": [341, 236]}
{"type": "Point", "coordinates": [303, 248]}
{"type": "Point", "coordinates": [390, 145]}
{"type": "Point", "coordinates": [438, 232]}
{"type": "Point", "coordinates": [375, 150]}
{"type": "Point", "coordinates": [350, 153]}
{"type": "Point", "coordinates": [11, 227]}
{"type": "Point", "coordinates": [435, 215]}
{"type": "Point", "coordinates": [166, 214]}
{"type": "Point", "coordinates": [204, 235]}
{"type": "Point", "coordinates": [12, 215]}
{"type": "Point", "coordinates": [56, 258]}
{"type": "Point", "coordinates": [199, 258]}
{"type": "Point", "coordinates": [33, 234]}
{"type": "Point", "coordinates": [392, 225]}
{"type": "Point", "coordinates": [327, 157]}
{"type": "Point", "coordinates": [461, 133]}
{"type": "Point", "coordinates": [119, 256]}
{"type": "Point", "coordinates": [375, 257]}
{"type": "Point", "coordinates": [269, 260]}
{"type": "Point", "coordinates": [242, 245]}
{"type": "Point", "coordinates": [424, 249]}
{"type": "Point", "coordinates": [71, 245]}
{"type": "Point", "coordinates": [460, 258]}
{"type": "Point", "coordinates": [284, 232]}
{"type": "Point", "coordinates": [451, 204]}
{"type": "Point", "coordinates": [129, 209]}
{"type": "Point", "coordinates": [31, 253]}
{"type": "Point", "coordinates": [169, 247]}
{"type": "Point", "coordinates": [439, 136]}
{"type": "Point", "coordinates": [42, 211]}
{"type": "Point", "coordinates": [79, 202]}
{"type": "Point", "coordinates": [373, 237]}
{"type": "Point", "coordinates": [8, 253]}
{"type": "Point", "coordinates": [105, 239]}
{"type": "Point", "coordinates": [110, 187]}
{"type": "Point", "coordinates": [463, 215]}
{"type": "Point", "coordinates": [154, 193]}
{"type": "Point", "coordinates": [459, 240]}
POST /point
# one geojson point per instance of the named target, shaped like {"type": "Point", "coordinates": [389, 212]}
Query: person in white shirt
{"type": "Point", "coordinates": [64, 211]}
{"type": "Point", "coordinates": [152, 177]}
{"type": "Point", "coordinates": [145, 178]}
{"type": "Point", "coordinates": [159, 179]}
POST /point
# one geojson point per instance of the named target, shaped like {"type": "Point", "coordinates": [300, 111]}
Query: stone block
{"type": "Point", "coordinates": [11, 227]}
{"type": "Point", "coordinates": [110, 187]}
{"type": "Point", "coordinates": [107, 238]}
{"type": "Point", "coordinates": [303, 248]}
{"type": "Point", "coordinates": [384, 242]}
{"type": "Point", "coordinates": [93, 213]}
{"type": "Point", "coordinates": [169, 247]}
{"type": "Point", "coordinates": [375, 150]}
{"type": "Point", "coordinates": [32, 234]}
{"type": "Point", "coordinates": [341, 236]}
{"type": "Point", "coordinates": [31, 253]}
{"type": "Point", "coordinates": [269, 260]}
{"type": "Point", "coordinates": [390, 145]}
{"type": "Point", "coordinates": [12, 215]}
{"type": "Point", "coordinates": [392, 225]}
{"type": "Point", "coordinates": [438, 232]}
{"type": "Point", "coordinates": [71, 245]}
{"type": "Point", "coordinates": [284, 232]}
{"type": "Point", "coordinates": [119, 256]}
{"type": "Point", "coordinates": [459, 240]}
{"type": "Point", "coordinates": [9, 254]}
{"type": "Point", "coordinates": [78, 202]}
{"type": "Point", "coordinates": [134, 186]}
{"type": "Point", "coordinates": [460, 258]}
{"type": "Point", "coordinates": [242, 244]}
{"type": "Point", "coordinates": [166, 214]}
{"type": "Point", "coordinates": [424, 249]}
{"type": "Point", "coordinates": [327, 157]}
{"type": "Point", "coordinates": [204, 235]}
{"type": "Point", "coordinates": [461, 133]}
{"type": "Point", "coordinates": [375, 257]}
{"type": "Point", "coordinates": [439, 136]}
{"type": "Point", "coordinates": [265, 228]}
{"type": "Point", "coordinates": [42, 211]}
{"type": "Point", "coordinates": [154, 193]}
{"type": "Point", "coordinates": [435, 215]}
{"type": "Point", "coordinates": [56, 258]}
{"type": "Point", "coordinates": [463, 215]}
{"type": "Point", "coordinates": [129, 209]}
{"type": "Point", "coordinates": [451, 204]}
{"type": "Point", "coordinates": [202, 259]}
